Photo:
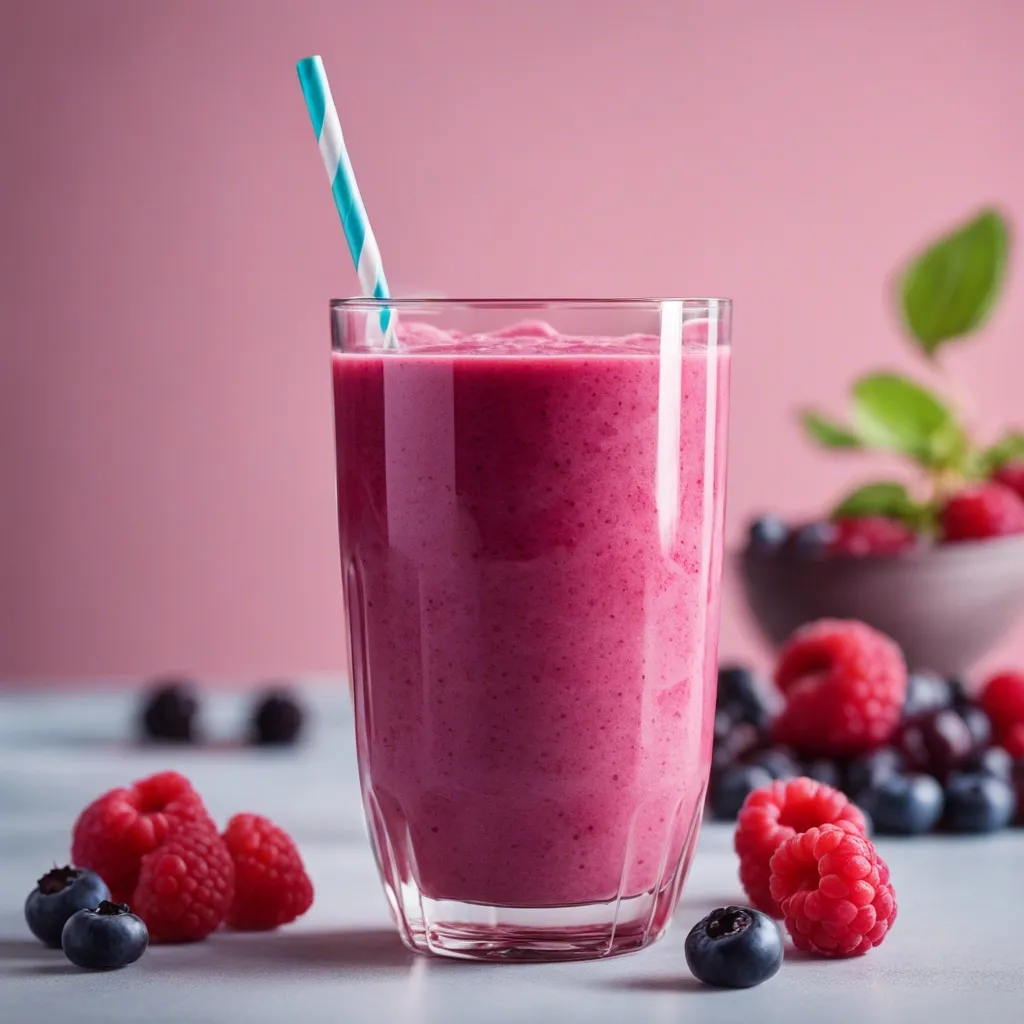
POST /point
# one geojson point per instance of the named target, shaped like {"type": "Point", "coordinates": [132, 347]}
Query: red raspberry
{"type": "Point", "coordinates": [834, 891]}
{"type": "Point", "coordinates": [1012, 741]}
{"type": "Point", "coordinates": [1002, 697]}
{"type": "Point", "coordinates": [771, 816]}
{"type": "Point", "coordinates": [844, 684]}
{"type": "Point", "coordinates": [1012, 475]}
{"type": "Point", "coordinates": [870, 535]}
{"type": "Point", "coordinates": [271, 884]}
{"type": "Point", "coordinates": [984, 510]}
{"type": "Point", "coordinates": [114, 833]}
{"type": "Point", "coordinates": [185, 886]}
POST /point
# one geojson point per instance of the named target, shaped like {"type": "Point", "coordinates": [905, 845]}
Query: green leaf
{"type": "Point", "coordinates": [949, 289]}
{"type": "Point", "coordinates": [889, 499]}
{"type": "Point", "coordinates": [895, 414]}
{"type": "Point", "coordinates": [827, 432]}
{"type": "Point", "coordinates": [880, 499]}
{"type": "Point", "coordinates": [1007, 449]}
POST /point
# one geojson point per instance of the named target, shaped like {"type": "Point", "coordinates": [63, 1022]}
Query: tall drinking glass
{"type": "Point", "coordinates": [530, 504]}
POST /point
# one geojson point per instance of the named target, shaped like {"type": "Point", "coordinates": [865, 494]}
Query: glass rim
{"type": "Point", "coordinates": [369, 304]}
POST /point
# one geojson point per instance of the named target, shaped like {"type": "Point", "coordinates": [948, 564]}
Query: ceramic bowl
{"type": "Point", "coordinates": [946, 605]}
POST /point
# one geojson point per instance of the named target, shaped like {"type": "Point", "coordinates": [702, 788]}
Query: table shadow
{"type": "Point", "coordinates": [677, 983]}
{"type": "Point", "coordinates": [361, 950]}
{"type": "Point", "coordinates": [22, 949]}
{"type": "Point", "coordinates": [25, 957]}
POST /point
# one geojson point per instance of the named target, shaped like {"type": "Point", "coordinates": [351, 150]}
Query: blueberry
{"type": "Point", "coordinates": [1018, 785]}
{"type": "Point", "coordinates": [978, 803]}
{"type": "Point", "coordinates": [734, 947]}
{"type": "Point", "coordinates": [59, 894]}
{"type": "Point", "coordinates": [995, 762]}
{"type": "Point", "coordinates": [169, 712]}
{"type": "Point", "coordinates": [821, 769]}
{"type": "Point", "coordinates": [903, 805]}
{"type": "Point", "coordinates": [779, 762]}
{"type": "Point", "coordinates": [107, 937]}
{"type": "Point", "coordinates": [979, 725]}
{"type": "Point", "coordinates": [812, 540]}
{"type": "Point", "coordinates": [865, 771]}
{"type": "Point", "coordinates": [768, 533]}
{"type": "Point", "coordinates": [869, 822]}
{"type": "Point", "coordinates": [926, 691]}
{"type": "Point", "coordinates": [937, 742]}
{"type": "Point", "coordinates": [725, 722]}
{"type": "Point", "coordinates": [742, 693]}
{"type": "Point", "coordinates": [277, 719]}
{"type": "Point", "coordinates": [959, 692]}
{"type": "Point", "coordinates": [737, 743]}
{"type": "Point", "coordinates": [732, 785]}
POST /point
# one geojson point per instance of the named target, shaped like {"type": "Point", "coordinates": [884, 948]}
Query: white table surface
{"type": "Point", "coordinates": [956, 953]}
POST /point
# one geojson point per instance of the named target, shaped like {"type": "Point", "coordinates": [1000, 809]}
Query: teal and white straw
{"type": "Point", "coordinates": [361, 241]}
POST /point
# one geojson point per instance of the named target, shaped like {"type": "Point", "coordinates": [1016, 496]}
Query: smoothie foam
{"type": "Point", "coordinates": [533, 593]}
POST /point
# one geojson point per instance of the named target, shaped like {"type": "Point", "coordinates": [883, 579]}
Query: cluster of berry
{"type": "Point", "coordinates": [805, 858]}
{"type": "Point", "coordinates": [994, 508]}
{"type": "Point", "coordinates": [151, 866]}
{"type": "Point", "coordinates": [914, 753]}
{"type": "Point", "coordinates": [170, 714]}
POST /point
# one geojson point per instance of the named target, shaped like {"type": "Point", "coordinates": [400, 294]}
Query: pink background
{"type": "Point", "coordinates": [169, 246]}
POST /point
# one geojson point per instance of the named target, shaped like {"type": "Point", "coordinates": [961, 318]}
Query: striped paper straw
{"type": "Point", "coordinates": [361, 241]}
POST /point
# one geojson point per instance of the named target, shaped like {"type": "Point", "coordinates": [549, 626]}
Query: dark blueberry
{"type": "Point", "coordinates": [995, 762]}
{"type": "Point", "coordinates": [1018, 785]}
{"type": "Point", "coordinates": [812, 540]}
{"type": "Point", "coordinates": [903, 805]}
{"type": "Point", "coordinates": [779, 762]}
{"type": "Point", "coordinates": [732, 785]}
{"type": "Point", "coordinates": [170, 712]}
{"type": "Point", "coordinates": [869, 822]}
{"type": "Point", "coordinates": [978, 803]}
{"type": "Point", "coordinates": [937, 742]}
{"type": "Point", "coordinates": [865, 771]}
{"type": "Point", "coordinates": [926, 691]}
{"type": "Point", "coordinates": [766, 534]}
{"type": "Point", "coordinates": [725, 722]}
{"type": "Point", "coordinates": [979, 725]}
{"type": "Point", "coordinates": [737, 743]}
{"type": "Point", "coordinates": [821, 769]}
{"type": "Point", "coordinates": [959, 693]}
{"type": "Point", "coordinates": [734, 947]}
{"type": "Point", "coordinates": [59, 894]}
{"type": "Point", "coordinates": [277, 719]}
{"type": "Point", "coordinates": [109, 936]}
{"type": "Point", "coordinates": [743, 694]}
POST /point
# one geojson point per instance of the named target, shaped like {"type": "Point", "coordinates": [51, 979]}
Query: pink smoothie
{"type": "Point", "coordinates": [533, 591]}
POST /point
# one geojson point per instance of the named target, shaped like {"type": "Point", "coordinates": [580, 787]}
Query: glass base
{"type": "Point", "coordinates": [465, 930]}
{"type": "Point", "coordinates": [473, 931]}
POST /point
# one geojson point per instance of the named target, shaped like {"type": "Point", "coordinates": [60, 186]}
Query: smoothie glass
{"type": "Point", "coordinates": [530, 506]}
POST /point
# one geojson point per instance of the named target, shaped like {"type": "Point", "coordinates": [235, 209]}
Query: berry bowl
{"type": "Point", "coordinates": [946, 605]}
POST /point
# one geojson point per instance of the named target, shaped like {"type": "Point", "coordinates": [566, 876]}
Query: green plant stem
{"type": "Point", "coordinates": [958, 395]}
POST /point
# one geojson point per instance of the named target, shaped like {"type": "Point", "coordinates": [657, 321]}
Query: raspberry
{"type": "Point", "coordinates": [114, 833]}
{"type": "Point", "coordinates": [771, 816]}
{"type": "Point", "coordinates": [1012, 741]}
{"type": "Point", "coordinates": [984, 510]}
{"type": "Point", "coordinates": [870, 535]}
{"type": "Point", "coordinates": [844, 684]}
{"type": "Point", "coordinates": [185, 886]}
{"type": "Point", "coordinates": [834, 891]}
{"type": "Point", "coordinates": [1002, 698]}
{"type": "Point", "coordinates": [271, 884]}
{"type": "Point", "coordinates": [1011, 475]}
